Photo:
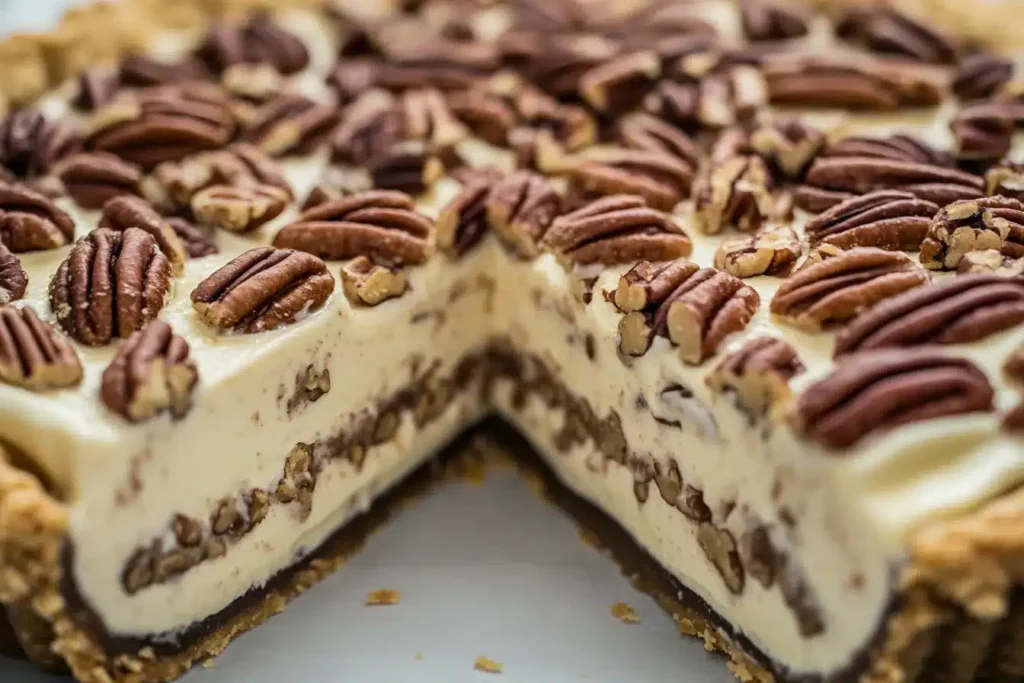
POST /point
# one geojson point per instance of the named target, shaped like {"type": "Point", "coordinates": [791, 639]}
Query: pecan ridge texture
{"type": "Point", "coordinates": [33, 354]}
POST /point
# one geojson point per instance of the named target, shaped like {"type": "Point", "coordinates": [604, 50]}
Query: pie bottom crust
{"type": "Point", "coordinates": [956, 613]}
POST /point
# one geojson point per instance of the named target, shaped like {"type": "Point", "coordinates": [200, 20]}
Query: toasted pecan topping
{"type": "Point", "coordinates": [821, 82]}
{"type": "Point", "coordinates": [652, 134]}
{"type": "Point", "coordinates": [142, 71]}
{"type": "Point", "coordinates": [709, 92]}
{"type": "Point", "coordinates": [462, 223]}
{"type": "Point", "coordinates": [30, 221]}
{"type": "Point", "coordinates": [369, 127]}
{"type": "Point", "coordinates": [259, 40]}
{"type": "Point", "coordinates": [437, 63]}
{"type": "Point", "coordinates": [290, 124]}
{"type": "Point", "coordinates": [1007, 179]}
{"type": "Point", "coordinates": [975, 225]}
{"type": "Point", "coordinates": [198, 242]}
{"type": "Point", "coordinates": [13, 279]}
{"type": "Point", "coordinates": [734, 188]}
{"type": "Point", "coordinates": [30, 145]}
{"type": "Point", "coordinates": [889, 31]}
{"type": "Point", "coordinates": [121, 213]}
{"type": "Point", "coordinates": [772, 251]}
{"type": "Point", "coordinates": [486, 114]}
{"type": "Point", "coordinates": [367, 284]}
{"type": "Point", "coordinates": [896, 147]}
{"type": "Point", "coordinates": [241, 208]}
{"type": "Point", "coordinates": [570, 126]}
{"type": "Point", "coordinates": [110, 285]}
{"type": "Point", "coordinates": [662, 179]}
{"type": "Point", "coordinates": [616, 229]}
{"type": "Point", "coordinates": [772, 20]}
{"type": "Point", "coordinates": [758, 373]}
{"type": "Point", "coordinates": [876, 391]}
{"type": "Point", "coordinates": [790, 145]}
{"type": "Point", "coordinates": [696, 309]}
{"type": "Point", "coordinates": [620, 83]}
{"type": "Point", "coordinates": [888, 219]}
{"type": "Point", "coordinates": [255, 83]}
{"type": "Point", "coordinates": [380, 224]}
{"type": "Point", "coordinates": [409, 167]}
{"type": "Point", "coordinates": [990, 261]}
{"type": "Point", "coordinates": [263, 289]}
{"type": "Point", "coordinates": [150, 373]}
{"type": "Point", "coordinates": [93, 178]}
{"type": "Point", "coordinates": [164, 123]}
{"type": "Point", "coordinates": [983, 131]}
{"type": "Point", "coordinates": [838, 288]}
{"type": "Point", "coordinates": [521, 208]}
{"type": "Point", "coordinates": [954, 311]}
{"type": "Point", "coordinates": [33, 354]}
{"type": "Point", "coordinates": [836, 179]}
{"type": "Point", "coordinates": [981, 75]}
{"type": "Point", "coordinates": [354, 76]}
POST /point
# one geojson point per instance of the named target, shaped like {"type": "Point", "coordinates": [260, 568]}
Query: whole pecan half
{"type": "Point", "coordinates": [238, 208]}
{"type": "Point", "coordinates": [30, 221]}
{"type": "Point", "coordinates": [264, 40]}
{"type": "Point", "coordinates": [33, 354]}
{"type": "Point", "coordinates": [981, 75]}
{"type": "Point", "coordinates": [772, 20]}
{"type": "Point", "coordinates": [759, 373]}
{"type": "Point", "coordinates": [696, 309]}
{"type": "Point", "coordinates": [840, 287]}
{"type": "Point", "coordinates": [93, 178]}
{"type": "Point", "coordinates": [462, 223]}
{"type": "Point", "coordinates": [489, 116]}
{"type": "Point", "coordinates": [983, 131]}
{"type": "Point", "coordinates": [380, 224]}
{"type": "Point", "coordinates": [974, 225]}
{"type": "Point", "coordinates": [521, 208]}
{"type": "Point", "coordinates": [662, 179]}
{"type": "Point", "coordinates": [263, 289]}
{"type": "Point", "coordinates": [290, 124]}
{"type": "Point", "coordinates": [150, 373]}
{"type": "Point", "coordinates": [366, 283]}
{"type": "Point", "coordinates": [620, 83]}
{"type": "Point", "coordinates": [121, 213]}
{"type": "Point", "coordinates": [437, 63]}
{"type": "Point", "coordinates": [646, 132]}
{"type": "Point", "coordinates": [876, 391]}
{"type": "Point", "coordinates": [889, 31]}
{"type": "Point", "coordinates": [616, 229]}
{"type": "Point", "coordinates": [896, 147]}
{"type": "Point", "coordinates": [772, 251]}
{"type": "Point", "coordinates": [888, 219]}
{"type": "Point", "coordinates": [164, 123]}
{"type": "Point", "coordinates": [110, 285]}
{"type": "Point", "coordinates": [368, 128]}
{"type": "Point", "coordinates": [955, 311]}
{"type": "Point", "coordinates": [832, 180]}
{"type": "Point", "coordinates": [13, 279]}
{"type": "Point", "coordinates": [30, 145]}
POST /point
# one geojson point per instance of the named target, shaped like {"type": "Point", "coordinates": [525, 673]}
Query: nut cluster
{"type": "Point", "coordinates": [993, 223]}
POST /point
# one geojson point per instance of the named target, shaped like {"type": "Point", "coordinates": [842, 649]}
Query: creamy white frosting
{"type": "Point", "coordinates": [854, 511]}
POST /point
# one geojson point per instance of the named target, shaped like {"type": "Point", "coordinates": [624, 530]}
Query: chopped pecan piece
{"type": "Point", "coordinates": [790, 145]}
{"type": "Point", "coordinates": [981, 75]}
{"type": "Point", "coordinates": [13, 279]}
{"type": "Point", "coordinates": [30, 221]}
{"type": "Point", "coordinates": [842, 177]}
{"type": "Point", "coordinates": [879, 390]}
{"type": "Point", "coordinates": [121, 213]}
{"type": "Point", "coordinates": [990, 261]}
{"type": "Point", "coordinates": [409, 167]}
{"type": "Point", "coordinates": [662, 179]}
{"type": "Point", "coordinates": [241, 208]}
{"type": "Point", "coordinates": [426, 118]}
{"type": "Point", "coordinates": [616, 229]}
{"type": "Point", "coordinates": [462, 223]}
{"type": "Point", "coordinates": [380, 224]}
{"type": "Point", "coordinates": [954, 311]}
{"type": "Point", "coordinates": [198, 242]}
{"type": "Point", "coordinates": [352, 77]}
{"type": "Point", "coordinates": [720, 548]}
{"type": "Point", "coordinates": [772, 251]}
{"type": "Point", "coordinates": [367, 284]}
{"type": "Point", "coordinates": [93, 178]}
{"type": "Point", "coordinates": [758, 373]}
{"type": "Point", "coordinates": [97, 88]}
{"type": "Point", "coordinates": [150, 373]}
{"type": "Point", "coordinates": [889, 31]}
{"type": "Point", "coordinates": [734, 188]}
{"type": "Point", "coordinates": [1006, 179]}
{"type": "Point", "coordinates": [570, 126]}
{"type": "Point", "coordinates": [710, 93]}
{"type": "Point", "coordinates": [110, 285]}
{"type": "Point", "coordinates": [255, 83]}
{"type": "Point", "coordinates": [263, 289]}
{"type": "Point", "coordinates": [696, 309]}
{"type": "Point", "coordinates": [772, 20]}
{"type": "Point", "coordinates": [888, 219]}
{"type": "Point", "coordinates": [974, 225]}
{"type": "Point", "coordinates": [30, 145]}
{"type": "Point", "coordinates": [652, 134]}
{"type": "Point", "coordinates": [620, 83]}
{"type": "Point", "coordinates": [839, 288]}
{"type": "Point", "coordinates": [164, 123]}
{"type": "Point", "coordinates": [33, 354]}
{"type": "Point", "coordinates": [521, 208]}
{"type": "Point", "coordinates": [290, 124]}
{"type": "Point", "coordinates": [983, 131]}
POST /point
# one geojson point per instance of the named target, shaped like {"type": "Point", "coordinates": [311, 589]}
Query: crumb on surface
{"type": "Point", "coordinates": [383, 596]}
{"type": "Point", "coordinates": [625, 613]}
{"type": "Point", "coordinates": [488, 665]}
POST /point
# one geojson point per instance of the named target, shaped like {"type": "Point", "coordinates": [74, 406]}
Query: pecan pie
{"type": "Point", "coordinates": [748, 275]}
